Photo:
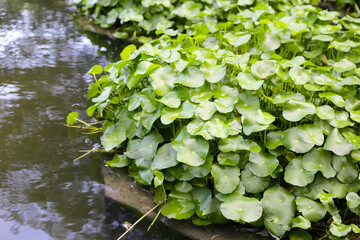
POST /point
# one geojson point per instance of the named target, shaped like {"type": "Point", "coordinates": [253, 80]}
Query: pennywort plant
{"type": "Point", "coordinates": [253, 120]}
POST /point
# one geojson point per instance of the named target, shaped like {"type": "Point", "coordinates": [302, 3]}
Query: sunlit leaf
{"type": "Point", "coordinates": [193, 151]}
{"type": "Point", "coordinates": [279, 210]}
{"type": "Point", "coordinates": [296, 110]}
{"type": "Point", "coordinates": [336, 143]}
{"type": "Point", "coordinates": [319, 160]}
{"type": "Point", "coordinates": [242, 208]}
{"type": "Point", "coordinates": [296, 175]}
{"type": "Point", "coordinates": [310, 209]}
{"type": "Point", "coordinates": [226, 177]}
{"type": "Point", "coordinates": [262, 164]}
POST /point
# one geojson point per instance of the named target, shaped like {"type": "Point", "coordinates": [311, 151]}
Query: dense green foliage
{"type": "Point", "coordinates": [253, 120]}
{"type": "Point", "coordinates": [139, 17]}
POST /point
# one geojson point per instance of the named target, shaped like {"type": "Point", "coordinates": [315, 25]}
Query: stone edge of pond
{"type": "Point", "coordinates": [122, 188]}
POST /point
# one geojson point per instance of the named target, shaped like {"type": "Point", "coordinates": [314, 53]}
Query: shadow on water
{"type": "Point", "coordinates": [43, 193]}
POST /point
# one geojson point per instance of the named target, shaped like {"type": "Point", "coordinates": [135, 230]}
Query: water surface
{"type": "Point", "coordinates": [43, 193]}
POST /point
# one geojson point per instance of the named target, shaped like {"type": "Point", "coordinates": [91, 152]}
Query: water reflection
{"type": "Point", "coordinates": [44, 195]}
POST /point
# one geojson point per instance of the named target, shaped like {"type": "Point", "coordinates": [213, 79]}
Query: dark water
{"type": "Point", "coordinates": [43, 193]}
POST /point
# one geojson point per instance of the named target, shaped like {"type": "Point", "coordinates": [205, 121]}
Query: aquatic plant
{"type": "Point", "coordinates": [253, 120]}
{"type": "Point", "coordinates": [150, 17]}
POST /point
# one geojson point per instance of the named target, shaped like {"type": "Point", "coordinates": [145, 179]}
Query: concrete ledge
{"type": "Point", "coordinates": [123, 189]}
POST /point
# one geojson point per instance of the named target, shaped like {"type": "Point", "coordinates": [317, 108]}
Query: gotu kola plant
{"type": "Point", "coordinates": [256, 122]}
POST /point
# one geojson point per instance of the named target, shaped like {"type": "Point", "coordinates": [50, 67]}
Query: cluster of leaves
{"type": "Point", "coordinates": [143, 17]}
{"type": "Point", "coordinates": [253, 120]}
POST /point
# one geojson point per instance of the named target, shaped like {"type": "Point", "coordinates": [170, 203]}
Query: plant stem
{"type": "Point", "coordinates": [143, 216]}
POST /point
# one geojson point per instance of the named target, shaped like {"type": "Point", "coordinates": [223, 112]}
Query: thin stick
{"type": "Point", "coordinates": [156, 217]}
{"type": "Point", "coordinates": [132, 226]}
{"type": "Point", "coordinates": [84, 155]}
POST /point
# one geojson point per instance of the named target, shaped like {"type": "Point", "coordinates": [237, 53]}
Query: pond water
{"type": "Point", "coordinates": [44, 194]}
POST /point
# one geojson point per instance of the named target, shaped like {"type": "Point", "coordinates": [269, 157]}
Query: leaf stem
{"type": "Point", "coordinates": [143, 216]}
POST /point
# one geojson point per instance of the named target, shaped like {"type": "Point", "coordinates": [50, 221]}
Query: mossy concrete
{"type": "Point", "coordinates": [122, 188]}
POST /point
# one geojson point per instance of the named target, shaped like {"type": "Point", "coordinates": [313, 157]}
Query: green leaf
{"type": "Point", "coordinates": [96, 69]}
{"type": "Point", "coordinates": [171, 99]}
{"type": "Point", "coordinates": [248, 82]}
{"type": "Point", "coordinates": [337, 144]}
{"type": "Point", "coordinates": [206, 110]}
{"type": "Point", "coordinates": [296, 175]}
{"type": "Point", "coordinates": [231, 159]}
{"type": "Point", "coordinates": [242, 40]}
{"type": "Point", "coordinates": [300, 235]}
{"type": "Point", "coordinates": [296, 110]}
{"type": "Point", "coordinates": [72, 117]}
{"type": "Point", "coordinates": [344, 65]}
{"type": "Point", "coordinates": [163, 79]}
{"type": "Point", "coordinates": [178, 209]}
{"type": "Point", "coordinates": [325, 112]}
{"type": "Point", "coordinates": [119, 161]}
{"type": "Point", "coordinates": [319, 160]}
{"type": "Point", "coordinates": [191, 77]}
{"type": "Point", "coordinates": [310, 134]}
{"type": "Point", "coordinates": [334, 98]}
{"type": "Point", "coordinates": [148, 145]}
{"type": "Point", "coordinates": [262, 164]}
{"type": "Point", "coordinates": [310, 209]}
{"type": "Point", "coordinates": [213, 73]}
{"type": "Point", "coordinates": [274, 139]}
{"type": "Point", "coordinates": [243, 208]}
{"type": "Point", "coordinates": [165, 157]}
{"type": "Point", "coordinates": [341, 120]}
{"type": "Point", "coordinates": [237, 143]}
{"type": "Point", "coordinates": [104, 95]}
{"type": "Point", "coordinates": [323, 38]}
{"type": "Point", "coordinates": [347, 171]}
{"type": "Point", "coordinates": [301, 222]}
{"type": "Point", "coordinates": [355, 116]}
{"type": "Point", "coordinates": [113, 137]}
{"type": "Point", "coordinates": [158, 178]}
{"type": "Point", "coordinates": [248, 103]}
{"type": "Point", "coordinates": [125, 54]}
{"type": "Point", "coordinates": [226, 178]}
{"type": "Point", "coordinates": [253, 183]}
{"type": "Point", "coordinates": [145, 67]}
{"type": "Point", "coordinates": [279, 210]}
{"type": "Point", "coordinates": [193, 151]}
{"type": "Point", "coordinates": [292, 141]}
{"type": "Point", "coordinates": [299, 75]}
{"type": "Point", "coordinates": [245, 2]}
{"type": "Point", "coordinates": [352, 200]}
{"type": "Point", "coordinates": [168, 115]}
{"type": "Point", "coordinates": [263, 69]}
{"type": "Point", "coordinates": [340, 230]}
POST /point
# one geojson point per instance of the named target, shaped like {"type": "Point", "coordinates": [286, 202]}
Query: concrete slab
{"type": "Point", "coordinates": [122, 188]}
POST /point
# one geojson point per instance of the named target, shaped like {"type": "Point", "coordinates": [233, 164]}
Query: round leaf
{"type": "Point", "coordinates": [165, 157]}
{"type": "Point", "coordinates": [296, 110]}
{"type": "Point", "coordinates": [253, 183]}
{"type": "Point", "coordinates": [293, 142]}
{"type": "Point", "coordinates": [347, 171]}
{"type": "Point", "coordinates": [336, 143]}
{"type": "Point", "coordinates": [178, 209]}
{"type": "Point", "coordinates": [191, 77]}
{"type": "Point", "coordinates": [193, 151]}
{"type": "Point", "coordinates": [243, 208]}
{"type": "Point", "coordinates": [262, 164]}
{"type": "Point", "coordinates": [296, 175]}
{"type": "Point", "coordinates": [319, 160]}
{"type": "Point", "coordinates": [279, 210]}
{"type": "Point", "coordinates": [263, 69]}
{"type": "Point", "coordinates": [226, 178]}
{"type": "Point", "coordinates": [311, 210]}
